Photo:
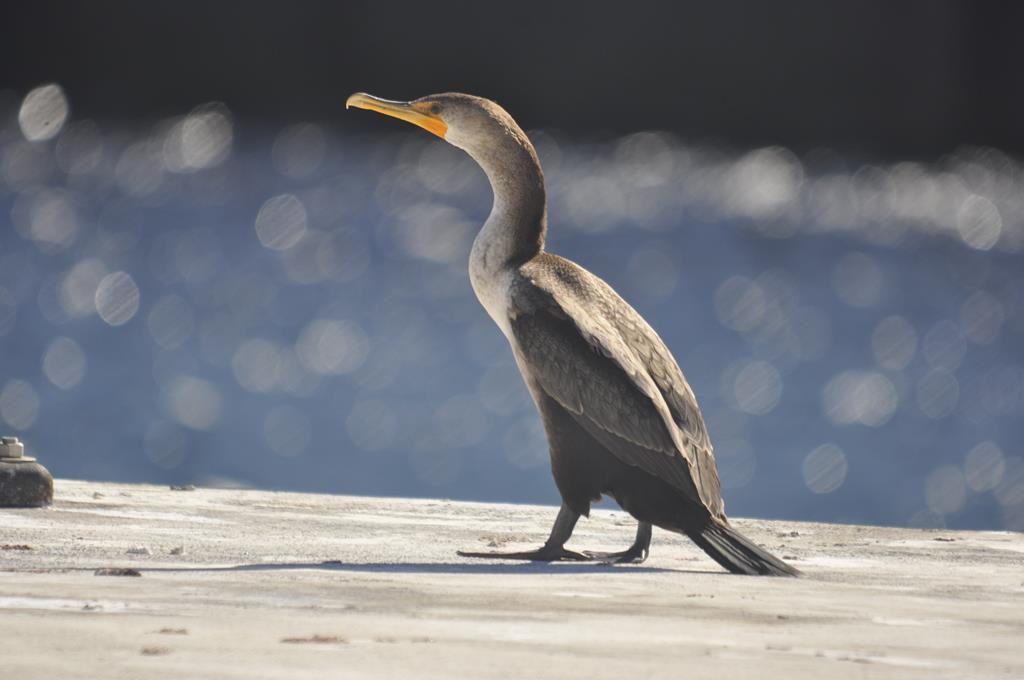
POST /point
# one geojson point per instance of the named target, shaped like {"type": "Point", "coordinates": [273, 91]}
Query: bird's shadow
{"type": "Point", "coordinates": [496, 567]}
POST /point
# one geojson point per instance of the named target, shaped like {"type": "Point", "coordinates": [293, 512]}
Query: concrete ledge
{"type": "Point", "coordinates": [235, 584]}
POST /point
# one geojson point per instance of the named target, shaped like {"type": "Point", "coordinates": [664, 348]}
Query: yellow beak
{"type": "Point", "coordinates": [417, 113]}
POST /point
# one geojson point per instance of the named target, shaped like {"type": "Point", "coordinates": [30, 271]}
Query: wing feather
{"type": "Point", "coordinates": [622, 390]}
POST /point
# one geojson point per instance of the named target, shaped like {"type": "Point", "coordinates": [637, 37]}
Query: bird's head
{"type": "Point", "coordinates": [473, 124]}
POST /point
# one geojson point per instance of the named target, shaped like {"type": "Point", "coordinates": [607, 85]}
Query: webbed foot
{"type": "Point", "coordinates": [544, 554]}
{"type": "Point", "coordinates": [635, 555]}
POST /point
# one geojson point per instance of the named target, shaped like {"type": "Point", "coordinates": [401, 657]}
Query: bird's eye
{"type": "Point", "coordinates": [427, 107]}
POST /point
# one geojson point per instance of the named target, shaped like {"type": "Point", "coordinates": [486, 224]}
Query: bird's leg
{"type": "Point", "coordinates": [636, 553]}
{"type": "Point", "coordinates": [553, 549]}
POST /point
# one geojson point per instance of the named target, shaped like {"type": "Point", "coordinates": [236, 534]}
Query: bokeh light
{"type": "Point", "coordinates": [758, 387]}
{"type": "Point", "coordinates": [332, 347]}
{"type": "Point", "coordinates": [894, 343]}
{"type": "Point", "coordinates": [739, 303]}
{"type": "Point", "coordinates": [193, 402]}
{"type": "Point", "coordinates": [139, 172]}
{"type": "Point", "coordinates": [64, 363]}
{"type": "Point", "coordinates": [984, 467]}
{"type": "Point", "coordinates": [117, 298]}
{"type": "Point", "coordinates": [171, 321]}
{"type": "Point", "coordinates": [43, 113]}
{"type": "Point", "coordinates": [944, 346]}
{"type": "Point", "coordinates": [281, 222]}
{"type": "Point", "coordinates": [764, 184]}
{"type": "Point", "coordinates": [446, 240]}
{"type": "Point", "coordinates": [19, 404]}
{"type": "Point", "coordinates": [202, 139]}
{"type": "Point", "coordinates": [979, 222]}
{"type": "Point", "coordinates": [863, 397]}
{"type": "Point", "coordinates": [945, 490]}
{"type": "Point", "coordinates": [303, 292]}
{"type": "Point", "coordinates": [78, 288]}
{"type": "Point", "coordinates": [47, 217]}
{"type": "Point", "coordinates": [256, 364]}
{"type": "Point", "coordinates": [1010, 489]}
{"type": "Point", "coordinates": [824, 469]}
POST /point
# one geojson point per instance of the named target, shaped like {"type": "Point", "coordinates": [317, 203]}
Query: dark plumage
{"type": "Point", "coordinates": [620, 417]}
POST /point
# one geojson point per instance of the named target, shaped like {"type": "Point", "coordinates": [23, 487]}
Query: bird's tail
{"type": "Point", "coordinates": [737, 553]}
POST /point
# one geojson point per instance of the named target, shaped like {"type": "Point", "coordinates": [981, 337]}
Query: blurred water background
{"type": "Point", "coordinates": [194, 300]}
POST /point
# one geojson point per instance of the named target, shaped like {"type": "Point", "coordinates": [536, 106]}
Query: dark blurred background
{"type": "Point", "coordinates": [889, 78]}
{"type": "Point", "coordinates": [211, 273]}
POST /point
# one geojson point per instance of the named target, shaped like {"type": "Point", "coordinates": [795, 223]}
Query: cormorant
{"type": "Point", "coordinates": [620, 417]}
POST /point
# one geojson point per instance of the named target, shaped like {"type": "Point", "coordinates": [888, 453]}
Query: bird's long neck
{"type": "Point", "coordinates": [514, 231]}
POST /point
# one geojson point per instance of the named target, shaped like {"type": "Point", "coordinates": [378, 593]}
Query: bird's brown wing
{"type": "Point", "coordinates": [582, 360]}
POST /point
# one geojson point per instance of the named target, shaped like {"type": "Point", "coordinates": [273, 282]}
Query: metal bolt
{"type": "Point", "coordinates": [10, 447]}
{"type": "Point", "coordinates": [24, 483]}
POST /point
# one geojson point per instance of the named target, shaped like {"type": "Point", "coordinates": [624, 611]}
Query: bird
{"type": "Point", "coordinates": [620, 418]}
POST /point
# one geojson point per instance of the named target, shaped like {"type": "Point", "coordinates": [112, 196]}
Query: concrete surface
{"type": "Point", "coordinates": [234, 584]}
